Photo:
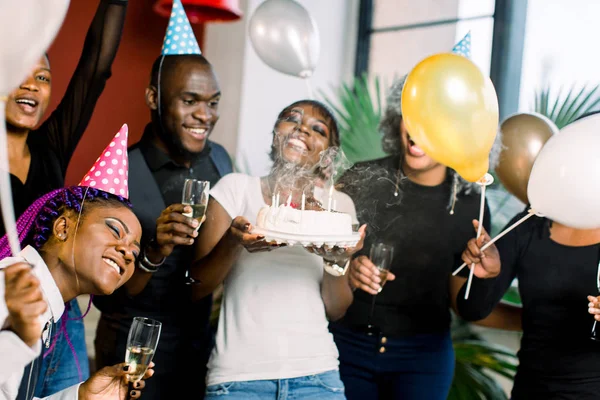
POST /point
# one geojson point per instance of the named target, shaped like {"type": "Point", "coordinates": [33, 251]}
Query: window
{"type": "Point", "coordinates": [559, 47]}
{"type": "Point", "coordinates": [403, 32]}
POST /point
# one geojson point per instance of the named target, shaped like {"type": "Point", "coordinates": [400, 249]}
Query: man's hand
{"type": "Point", "coordinates": [111, 383]}
{"type": "Point", "coordinates": [25, 302]}
{"type": "Point", "coordinates": [173, 229]}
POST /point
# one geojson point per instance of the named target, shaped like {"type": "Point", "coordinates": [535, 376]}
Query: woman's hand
{"type": "Point", "coordinates": [487, 263]}
{"type": "Point", "coordinates": [24, 301]}
{"type": "Point", "coordinates": [364, 275]}
{"type": "Point", "coordinates": [339, 254]}
{"type": "Point", "coordinates": [594, 307]}
{"type": "Point", "coordinates": [241, 229]}
{"type": "Point", "coordinates": [112, 383]}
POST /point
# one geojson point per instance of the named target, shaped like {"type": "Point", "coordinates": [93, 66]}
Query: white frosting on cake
{"type": "Point", "coordinates": [287, 219]}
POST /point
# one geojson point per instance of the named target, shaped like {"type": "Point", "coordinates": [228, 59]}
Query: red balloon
{"type": "Point", "coordinates": [202, 11]}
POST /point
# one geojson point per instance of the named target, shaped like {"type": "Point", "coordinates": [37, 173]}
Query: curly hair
{"type": "Point", "coordinates": [326, 113]}
{"type": "Point", "coordinates": [389, 127]}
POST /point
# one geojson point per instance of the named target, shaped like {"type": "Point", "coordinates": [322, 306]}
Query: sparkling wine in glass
{"type": "Point", "coordinates": [381, 255]}
{"type": "Point", "coordinates": [196, 195]}
{"type": "Point", "coordinates": [596, 327]}
{"type": "Point", "coordinates": [141, 345]}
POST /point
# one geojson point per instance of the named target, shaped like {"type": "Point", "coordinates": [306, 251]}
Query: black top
{"type": "Point", "coordinates": [428, 242]}
{"type": "Point", "coordinates": [557, 358]}
{"type": "Point", "coordinates": [52, 145]}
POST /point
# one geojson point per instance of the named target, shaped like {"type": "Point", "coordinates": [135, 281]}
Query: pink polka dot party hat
{"type": "Point", "coordinates": [110, 171]}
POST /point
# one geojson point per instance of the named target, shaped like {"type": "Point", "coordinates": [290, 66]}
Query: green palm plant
{"type": "Point", "coordinates": [563, 110]}
{"type": "Point", "coordinates": [358, 107]}
{"type": "Point", "coordinates": [477, 361]}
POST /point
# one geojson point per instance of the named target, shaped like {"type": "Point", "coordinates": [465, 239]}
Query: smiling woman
{"type": "Point", "coordinates": [59, 223]}
{"type": "Point", "coordinates": [88, 241]}
{"type": "Point", "coordinates": [31, 98]}
{"type": "Point", "coordinates": [263, 280]}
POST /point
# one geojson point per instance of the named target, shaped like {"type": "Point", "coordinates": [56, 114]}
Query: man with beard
{"type": "Point", "coordinates": [183, 97]}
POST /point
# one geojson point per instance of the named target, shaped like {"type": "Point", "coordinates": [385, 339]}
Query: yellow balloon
{"type": "Point", "coordinates": [450, 109]}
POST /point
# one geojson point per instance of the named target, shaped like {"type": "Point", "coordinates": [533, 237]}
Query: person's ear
{"type": "Point", "coordinates": [60, 229]}
{"type": "Point", "coordinates": [152, 97]}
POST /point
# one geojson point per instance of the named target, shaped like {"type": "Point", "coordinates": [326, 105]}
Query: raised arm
{"type": "Point", "coordinates": [68, 122]}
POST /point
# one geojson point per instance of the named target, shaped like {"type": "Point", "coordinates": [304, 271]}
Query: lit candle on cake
{"type": "Point", "coordinates": [289, 200]}
{"type": "Point", "coordinates": [273, 200]}
{"type": "Point", "coordinates": [303, 200]}
{"type": "Point", "coordinates": [330, 198]}
{"type": "Point", "coordinates": [277, 200]}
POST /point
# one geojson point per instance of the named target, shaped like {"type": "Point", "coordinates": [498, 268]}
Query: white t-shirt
{"type": "Point", "coordinates": [272, 323]}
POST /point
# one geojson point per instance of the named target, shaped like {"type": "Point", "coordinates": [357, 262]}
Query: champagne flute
{"type": "Point", "coordinates": [196, 195]}
{"type": "Point", "coordinates": [141, 345]}
{"type": "Point", "coordinates": [596, 327]}
{"type": "Point", "coordinates": [381, 255]}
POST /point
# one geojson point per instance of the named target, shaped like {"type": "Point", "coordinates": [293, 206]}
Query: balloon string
{"type": "Point", "coordinates": [479, 227]}
{"type": "Point", "coordinates": [6, 201]}
{"type": "Point", "coordinates": [309, 88]}
{"type": "Point", "coordinates": [530, 212]}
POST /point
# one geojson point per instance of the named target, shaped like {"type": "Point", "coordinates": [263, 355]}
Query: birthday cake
{"type": "Point", "coordinates": [287, 219]}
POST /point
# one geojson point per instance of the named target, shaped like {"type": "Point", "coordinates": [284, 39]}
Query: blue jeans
{"type": "Point", "coordinates": [416, 367]}
{"type": "Point", "coordinates": [325, 386]}
{"type": "Point", "coordinates": [59, 368]}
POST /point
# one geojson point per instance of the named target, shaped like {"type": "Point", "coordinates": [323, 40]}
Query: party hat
{"type": "Point", "coordinates": [179, 38]}
{"type": "Point", "coordinates": [463, 48]}
{"type": "Point", "coordinates": [110, 172]}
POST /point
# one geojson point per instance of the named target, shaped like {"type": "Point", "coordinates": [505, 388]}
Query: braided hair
{"type": "Point", "coordinates": [34, 227]}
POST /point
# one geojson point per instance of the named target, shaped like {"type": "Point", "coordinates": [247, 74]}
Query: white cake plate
{"type": "Point", "coordinates": [292, 239]}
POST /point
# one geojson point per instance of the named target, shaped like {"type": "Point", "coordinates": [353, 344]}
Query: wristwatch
{"type": "Point", "coordinates": [334, 268]}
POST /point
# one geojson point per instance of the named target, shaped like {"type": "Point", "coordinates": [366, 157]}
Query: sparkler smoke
{"type": "Point", "coordinates": [372, 186]}
{"type": "Point", "coordinates": [296, 174]}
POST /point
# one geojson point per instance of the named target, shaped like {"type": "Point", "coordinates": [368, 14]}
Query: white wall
{"type": "Point", "coordinates": [253, 93]}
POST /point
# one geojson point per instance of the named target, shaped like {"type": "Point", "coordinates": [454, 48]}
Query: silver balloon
{"type": "Point", "coordinates": [286, 37]}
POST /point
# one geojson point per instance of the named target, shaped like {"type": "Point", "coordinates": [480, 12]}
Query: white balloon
{"type": "Point", "coordinates": [285, 37]}
{"type": "Point", "coordinates": [565, 179]}
{"type": "Point", "coordinates": [27, 28]}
